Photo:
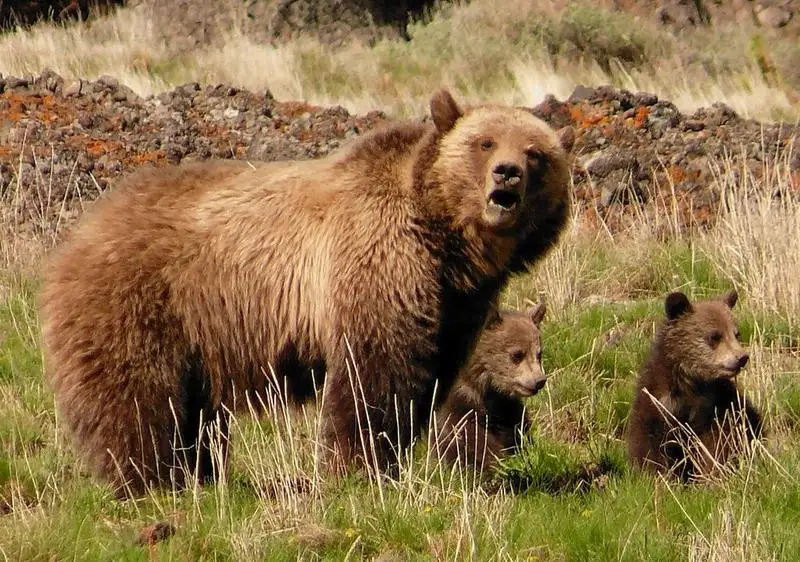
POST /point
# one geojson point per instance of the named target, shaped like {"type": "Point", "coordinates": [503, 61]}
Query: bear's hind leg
{"type": "Point", "coordinates": [130, 444]}
{"type": "Point", "coordinates": [141, 434]}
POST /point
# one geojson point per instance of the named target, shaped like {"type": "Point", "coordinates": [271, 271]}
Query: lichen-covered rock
{"type": "Point", "coordinates": [76, 138]}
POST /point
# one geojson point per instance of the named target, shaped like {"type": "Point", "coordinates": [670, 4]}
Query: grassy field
{"type": "Point", "coordinates": [604, 294]}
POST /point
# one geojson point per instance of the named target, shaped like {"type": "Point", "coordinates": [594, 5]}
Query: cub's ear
{"type": "Point", "coordinates": [566, 138]}
{"type": "Point", "coordinates": [676, 304]}
{"type": "Point", "coordinates": [444, 111]}
{"type": "Point", "coordinates": [730, 298]}
{"type": "Point", "coordinates": [493, 317]}
{"type": "Point", "coordinates": [536, 312]}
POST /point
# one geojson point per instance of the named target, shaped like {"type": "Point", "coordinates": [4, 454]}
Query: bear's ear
{"type": "Point", "coordinates": [730, 298]}
{"type": "Point", "coordinates": [493, 317]}
{"type": "Point", "coordinates": [536, 312]}
{"type": "Point", "coordinates": [566, 138]}
{"type": "Point", "coordinates": [676, 304]}
{"type": "Point", "coordinates": [444, 111]}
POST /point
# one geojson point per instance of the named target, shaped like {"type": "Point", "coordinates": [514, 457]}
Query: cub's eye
{"type": "Point", "coordinates": [517, 356]}
{"type": "Point", "coordinates": [714, 338]}
{"type": "Point", "coordinates": [539, 356]}
{"type": "Point", "coordinates": [736, 334]}
{"type": "Point", "coordinates": [487, 144]}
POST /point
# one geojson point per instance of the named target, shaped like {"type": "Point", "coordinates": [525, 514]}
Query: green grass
{"type": "Point", "coordinates": [572, 495]}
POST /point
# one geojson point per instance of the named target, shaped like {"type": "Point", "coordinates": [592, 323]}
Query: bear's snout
{"type": "Point", "coordinates": [504, 193]}
{"type": "Point", "coordinates": [737, 363]}
{"type": "Point", "coordinates": [507, 173]}
{"type": "Point", "coordinates": [532, 385]}
{"type": "Point", "coordinates": [743, 359]}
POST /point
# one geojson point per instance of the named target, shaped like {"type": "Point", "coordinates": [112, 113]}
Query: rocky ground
{"type": "Point", "coordinates": [64, 143]}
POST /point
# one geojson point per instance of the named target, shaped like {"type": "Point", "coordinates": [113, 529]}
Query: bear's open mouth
{"type": "Point", "coordinates": [731, 372]}
{"type": "Point", "coordinates": [504, 199]}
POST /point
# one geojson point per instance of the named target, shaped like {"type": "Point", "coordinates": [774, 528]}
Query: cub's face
{"type": "Point", "coordinates": [500, 159]}
{"type": "Point", "coordinates": [703, 336]}
{"type": "Point", "coordinates": [511, 352]}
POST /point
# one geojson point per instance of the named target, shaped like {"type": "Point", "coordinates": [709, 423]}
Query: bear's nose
{"type": "Point", "coordinates": [507, 172]}
{"type": "Point", "coordinates": [743, 359]}
{"type": "Point", "coordinates": [533, 385]}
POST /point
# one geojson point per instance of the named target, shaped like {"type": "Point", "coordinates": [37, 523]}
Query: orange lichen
{"type": "Point", "coordinates": [595, 118]}
{"type": "Point", "coordinates": [640, 117]}
{"type": "Point", "coordinates": [294, 109]}
{"type": "Point", "coordinates": [677, 174]}
{"type": "Point", "coordinates": [156, 157]}
{"type": "Point", "coordinates": [16, 109]}
{"type": "Point", "coordinates": [44, 108]}
{"type": "Point", "coordinates": [576, 113]}
{"type": "Point", "coordinates": [98, 147]}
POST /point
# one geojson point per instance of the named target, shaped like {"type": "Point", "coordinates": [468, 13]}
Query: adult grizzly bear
{"type": "Point", "coordinates": [179, 292]}
{"type": "Point", "coordinates": [698, 420]}
{"type": "Point", "coordinates": [484, 412]}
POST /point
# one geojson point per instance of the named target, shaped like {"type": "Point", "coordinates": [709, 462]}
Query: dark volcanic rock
{"type": "Point", "coordinates": [65, 143]}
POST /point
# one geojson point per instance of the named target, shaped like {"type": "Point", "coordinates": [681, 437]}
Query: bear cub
{"type": "Point", "coordinates": [691, 372]}
{"type": "Point", "coordinates": [484, 412]}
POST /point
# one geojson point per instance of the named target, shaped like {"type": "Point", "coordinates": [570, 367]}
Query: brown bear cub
{"type": "Point", "coordinates": [484, 414]}
{"type": "Point", "coordinates": [192, 290]}
{"type": "Point", "coordinates": [697, 424]}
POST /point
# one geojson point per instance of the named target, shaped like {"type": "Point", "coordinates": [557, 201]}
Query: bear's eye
{"type": "Point", "coordinates": [714, 338]}
{"type": "Point", "coordinates": [736, 334]}
{"type": "Point", "coordinates": [487, 144]}
{"type": "Point", "coordinates": [517, 356]}
{"type": "Point", "coordinates": [536, 159]}
{"type": "Point", "coordinates": [539, 356]}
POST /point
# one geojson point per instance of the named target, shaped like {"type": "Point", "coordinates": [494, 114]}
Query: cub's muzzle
{"type": "Point", "coordinates": [737, 363]}
{"type": "Point", "coordinates": [532, 385]}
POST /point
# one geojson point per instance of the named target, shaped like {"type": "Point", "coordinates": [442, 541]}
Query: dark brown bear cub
{"type": "Point", "coordinates": [696, 426]}
{"type": "Point", "coordinates": [484, 413]}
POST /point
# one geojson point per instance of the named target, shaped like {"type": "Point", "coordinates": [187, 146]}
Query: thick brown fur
{"type": "Point", "coordinates": [697, 425]}
{"type": "Point", "coordinates": [484, 414]}
{"type": "Point", "coordinates": [180, 291]}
